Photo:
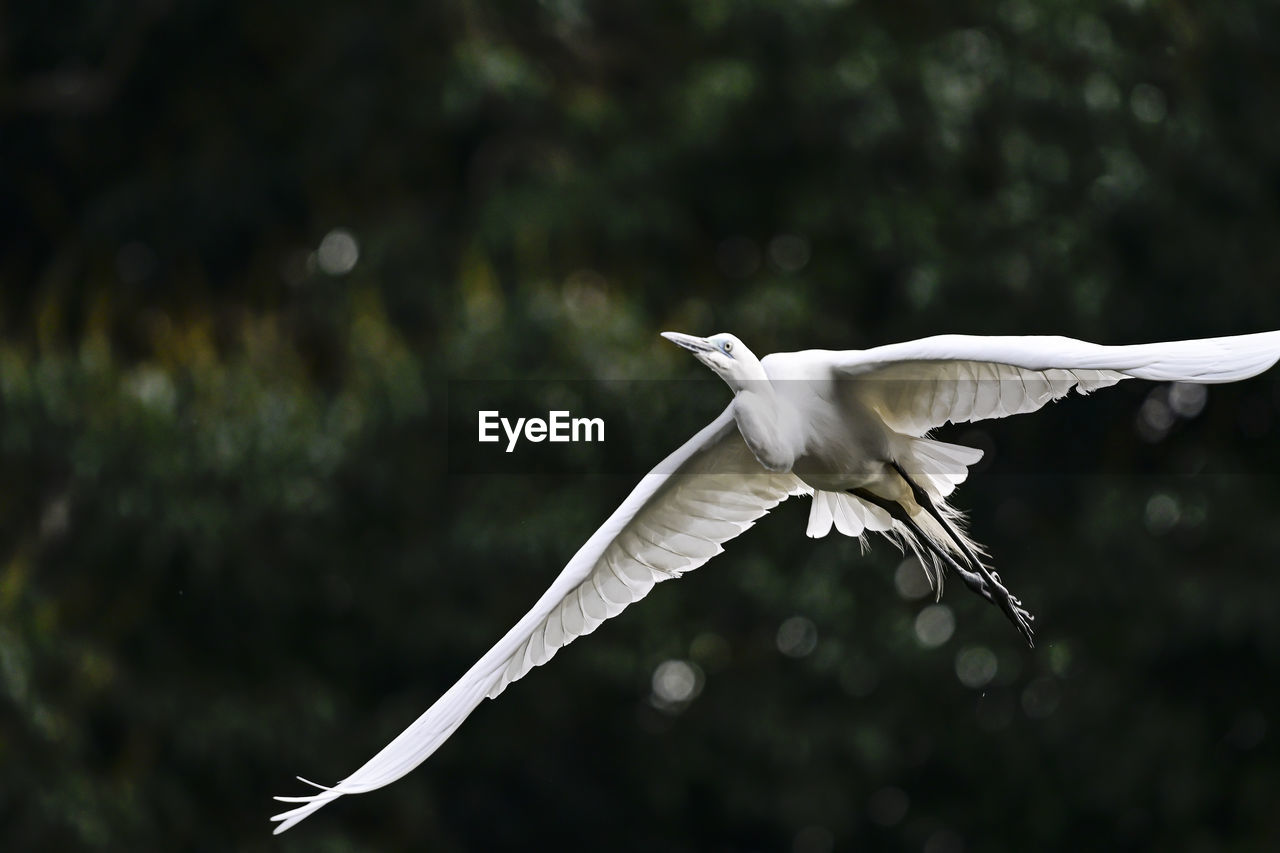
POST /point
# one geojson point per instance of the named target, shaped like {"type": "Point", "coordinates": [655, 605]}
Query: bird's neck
{"type": "Point", "coordinates": [766, 424]}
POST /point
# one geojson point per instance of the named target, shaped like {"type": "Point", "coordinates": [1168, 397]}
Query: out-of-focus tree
{"type": "Point", "coordinates": [245, 249]}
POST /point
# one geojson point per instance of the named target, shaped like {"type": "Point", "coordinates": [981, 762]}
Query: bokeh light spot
{"type": "Point", "coordinates": [1148, 103]}
{"type": "Point", "coordinates": [1060, 659]}
{"type": "Point", "coordinates": [675, 683]}
{"type": "Point", "coordinates": [1155, 418]}
{"type": "Point", "coordinates": [1100, 92]}
{"type": "Point", "coordinates": [338, 252]}
{"type": "Point", "coordinates": [1093, 34]}
{"type": "Point", "coordinates": [1187, 399]}
{"type": "Point", "coordinates": [976, 666]}
{"type": "Point", "coordinates": [1162, 513]}
{"type": "Point", "coordinates": [797, 637]}
{"type": "Point", "coordinates": [935, 625]}
{"type": "Point", "coordinates": [910, 579]}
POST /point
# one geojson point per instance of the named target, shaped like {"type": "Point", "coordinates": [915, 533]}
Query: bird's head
{"type": "Point", "coordinates": [725, 354]}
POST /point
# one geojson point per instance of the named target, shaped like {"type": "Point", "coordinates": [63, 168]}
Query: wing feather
{"type": "Point", "coordinates": [918, 385]}
{"type": "Point", "coordinates": [677, 518]}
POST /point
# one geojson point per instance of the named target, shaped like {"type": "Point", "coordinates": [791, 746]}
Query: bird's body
{"type": "Point", "coordinates": [850, 429]}
{"type": "Point", "coordinates": [844, 444]}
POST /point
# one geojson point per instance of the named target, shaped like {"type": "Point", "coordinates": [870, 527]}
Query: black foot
{"type": "Point", "coordinates": [996, 593]}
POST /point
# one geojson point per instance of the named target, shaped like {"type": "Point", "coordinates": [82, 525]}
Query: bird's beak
{"type": "Point", "coordinates": [689, 342]}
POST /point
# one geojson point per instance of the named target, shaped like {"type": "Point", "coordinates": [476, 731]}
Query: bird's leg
{"type": "Point", "coordinates": [1006, 600]}
{"type": "Point", "coordinates": [926, 502]}
{"type": "Point", "coordinates": [980, 582]}
{"type": "Point", "coordinates": [971, 579]}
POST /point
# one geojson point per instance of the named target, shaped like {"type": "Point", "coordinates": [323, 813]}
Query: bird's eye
{"type": "Point", "coordinates": [728, 346]}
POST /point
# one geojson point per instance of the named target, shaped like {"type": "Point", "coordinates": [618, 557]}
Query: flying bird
{"type": "Point", "coordinates": [848, 428]}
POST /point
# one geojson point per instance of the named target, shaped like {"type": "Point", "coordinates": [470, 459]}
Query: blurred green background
{"type": "Point", "coordinates": [245, 248]}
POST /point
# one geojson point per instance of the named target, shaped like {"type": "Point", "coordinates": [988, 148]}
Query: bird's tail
{"type": "Point", "coordinates": [935, 467]}
{"type": "Point", "coordinates": [854, 517]}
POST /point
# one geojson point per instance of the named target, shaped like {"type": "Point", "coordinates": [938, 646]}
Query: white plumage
{"type": "Point", "coordinates": [847, 427]}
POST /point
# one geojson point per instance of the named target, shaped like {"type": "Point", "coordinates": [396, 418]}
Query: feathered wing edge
{"type": "Point", "coordinates": [918, 385]}
{"type": "Point", "coordinates": [714, 457]}
{"type": "Point", "coordinates": [410, 748]}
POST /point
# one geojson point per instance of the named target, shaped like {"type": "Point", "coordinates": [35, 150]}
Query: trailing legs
{"type": "Point", "coordinates": [983, 582]}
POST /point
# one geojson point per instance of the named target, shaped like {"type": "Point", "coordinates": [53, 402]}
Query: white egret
{"type": "Point", "coordinates": [848, 428]}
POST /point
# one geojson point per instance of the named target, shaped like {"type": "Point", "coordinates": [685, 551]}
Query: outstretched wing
{"type": "Point", "coordinates": [918, 385]}
{"type": "Point", "coordinates": [704, 494]}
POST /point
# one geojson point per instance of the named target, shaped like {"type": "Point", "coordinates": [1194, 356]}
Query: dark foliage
{"type": "Point", "coordinates": [248, 251]}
